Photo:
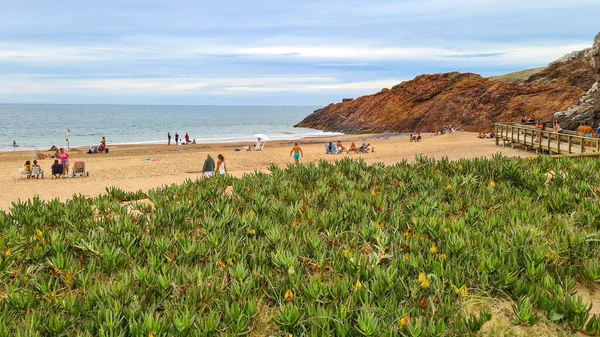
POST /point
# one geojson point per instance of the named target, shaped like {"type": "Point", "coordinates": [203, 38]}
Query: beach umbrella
{"type": "Point", "coordinates": [261, 136]}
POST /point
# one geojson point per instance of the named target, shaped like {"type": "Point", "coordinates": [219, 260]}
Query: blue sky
{"type": "Point", "coordinates": [269, 52]}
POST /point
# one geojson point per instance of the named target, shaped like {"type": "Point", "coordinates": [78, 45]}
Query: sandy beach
{"type": "Point", "coordinates": [143, 167]}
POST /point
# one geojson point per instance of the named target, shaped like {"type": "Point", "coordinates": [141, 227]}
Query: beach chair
{"type": "Point", "coordinates": [36, 172]}
{"type": "Point", "coordinates": [79, 168]}
{"type": "Point", "coordinates": [57, 171]}
{"type": "Point", "coordinates": [22, 174]}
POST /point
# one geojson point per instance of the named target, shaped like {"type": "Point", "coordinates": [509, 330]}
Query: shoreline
{"type": "Point", "coordinates": [148, 166]}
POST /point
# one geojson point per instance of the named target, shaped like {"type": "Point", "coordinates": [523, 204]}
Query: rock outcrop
{"type": "Point", "coordinates": [587, 108]}
{"type": "Point", "coordinates": [467, 101]}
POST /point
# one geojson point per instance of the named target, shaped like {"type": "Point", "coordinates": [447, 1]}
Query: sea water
{"type": "Point", "coordinates": [39, 126]}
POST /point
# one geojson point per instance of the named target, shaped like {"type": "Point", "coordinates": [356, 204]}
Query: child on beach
{"type": "Point", "coordinates": [27, 169]}
{"type": "Point", "coordinates": [15, 143]}
{"type": "Point", "coordinates": [297, 151]}
{"type": "Point", "coordinates": [169, 138]}
{"type": "Point", "coordinates": [221, 168]}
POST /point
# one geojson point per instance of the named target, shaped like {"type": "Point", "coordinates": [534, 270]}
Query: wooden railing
{"type": "Point", "coordinates": [543, 140]}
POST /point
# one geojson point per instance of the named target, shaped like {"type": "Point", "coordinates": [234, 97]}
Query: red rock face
{"type": "Point", "coordinates": [466, 101]}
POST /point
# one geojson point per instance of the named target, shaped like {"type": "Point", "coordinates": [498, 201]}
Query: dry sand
{"type": "Point", "coordinates": [126, 167]}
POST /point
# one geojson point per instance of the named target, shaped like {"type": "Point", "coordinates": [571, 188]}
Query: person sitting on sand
{"type": "Point", "coordinates": [27, 169]}
{"type": "Point", "coordinates": [101, 148]}
{"type": "Point", "coordinates": [352, 148]}
{"type": "Point", "coordinates": [531, 119]}
{"type": "Point", "coordinates": [482, 135]}
{"type": "Point", "coordinates": [418, 137]}
{"type": "Point", "coordinates": [103, 141]}
{"type": "Point", "coordinates": [15, 143]}
{"type": "Point", "coordinates": [194, 141]}
{"type": "Point", "coordinates": [523, 119]}
{"type": "Point", "coordinates": [369, 149]}
{"type": "Point", "coordinates": [221, 167]}
{"type": "Point", "coordinates": [209, 166]}
{"type": "Point", "coordinates": [413, 138]}
{"type": "Point", "coordinates": [35, 164]}
{"type": "Point", "coordinates": [340, 147]}
{"type": "Point", "coordinates": [362, 148]}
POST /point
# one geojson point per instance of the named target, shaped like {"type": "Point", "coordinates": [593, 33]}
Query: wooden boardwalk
{"type": "Point", "coordinates": [549, 142]}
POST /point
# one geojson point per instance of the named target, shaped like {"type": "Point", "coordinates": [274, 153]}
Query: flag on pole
{"type": "Point", "coordinates": [68, 130]}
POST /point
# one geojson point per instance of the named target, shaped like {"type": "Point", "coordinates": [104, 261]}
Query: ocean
{"type": "Point", "coordinates": [39, 126]}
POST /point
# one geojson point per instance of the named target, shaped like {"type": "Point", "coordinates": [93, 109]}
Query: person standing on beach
{"type": "Point", "coordinates": [221, 168]}
{"type": "Point", "coordinates": [169, 137]}
{"type": "Point", "coordinates": [209, 166]}
{"type": "Point", "coordinates": [64, 159]}
{"type": "Point", "coordinates": [176, 138]}
{"type": "Point", "coordinates": [297, 151]}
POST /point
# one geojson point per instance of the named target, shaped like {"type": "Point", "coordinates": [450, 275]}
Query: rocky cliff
{"type": "Point", "coordinates": [466, 101]}
{"type": "Point", "coordinates": [587, 108]}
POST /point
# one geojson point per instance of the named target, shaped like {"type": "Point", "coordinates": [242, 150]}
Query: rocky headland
{"type": "Point", "coordinates": [470, 102]}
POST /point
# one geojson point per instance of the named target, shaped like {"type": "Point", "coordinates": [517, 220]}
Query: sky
{"type": "Point", "coordinates": [269, 52]}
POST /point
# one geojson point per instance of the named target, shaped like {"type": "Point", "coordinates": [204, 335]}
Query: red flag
{"type": "Point", "coordinates": [68, 130]}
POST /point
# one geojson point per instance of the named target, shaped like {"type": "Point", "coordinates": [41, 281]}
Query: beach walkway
{"type": "Point", "coordinates": [547, 142]}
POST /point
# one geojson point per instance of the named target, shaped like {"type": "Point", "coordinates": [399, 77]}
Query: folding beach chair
{"type": "Point", "coordinates": [22, 174]}
{"type": "Point", "coordinates": [79, 168]}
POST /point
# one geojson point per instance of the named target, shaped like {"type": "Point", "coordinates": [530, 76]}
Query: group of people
{"type": "Point", "coordinates": [586, 130]}
{"type": "Point", "coordinates": [415, 138]}
{"type": "Point", "coordinates": [483, 135]}
{"type": "Point", "coordinates": [180, 141]}
{"type": "Point", "coordinates": [98, 149]}
{"type": "Point", "coordinates": [210, 168]}
{"type": "Point", "coordinates": [446, 129]}
{"type": "Point", "coordinates": [58, 168]}
{"type": "Point", "coordinates": [528, 120]}
{"type": "Point", "coordinates": [332, 148]}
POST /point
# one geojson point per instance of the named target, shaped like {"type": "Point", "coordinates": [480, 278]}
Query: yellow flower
{"type": "Point", "coordinates": [289, 335]}
{"type": "Point", "coordinates": [433, 249]}
{"type": "Point", "coordinates": [289, 296]}
{"type": "Point", "coordinates": [462, 291]}
{"type": "Point", "coordinates": [492, 184]}
{"type": "Point", "coordinates": [346, 253]}
{"type": "Point", "coordinates": [373, 193]}
{"type": "Point", "coordinates": [446, 230]}
{"type": "Point", "coordinates": [358, 286]}
{"type": "Point", "coordinates": [550, 256]}
{"type": "Point", "coordinates": [294, 224]}
{"type": "Point", "coordinates": [404, 321]}
{"type": "Point", "coordinates": [460, 168]}
{"type": "Point", "coordinates": [8, 252]}
{"type": "Point", "coordinates": [423, 280]}
{"type": "Point", "coordinates": [407, 256]}
{"type": "Point", "coordinates": [150, 334]}
{"type": "Point", "coordinates": [230, 261]}
{"type": "Point", "coordinates": [252, 232]}
{"type": "Point", "coordinates": [443, 256]}
{"type": "Point", "coordinates": [449, 187]}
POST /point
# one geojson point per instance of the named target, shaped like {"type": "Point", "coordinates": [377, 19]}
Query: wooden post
{"type": "Point", "coordinates": [558, 143]}
{"type": "Point", "coordinates": [512, 137]}
{"type": "Point", "coordinates": [549, 137]}
{"type": "Point", "coordinates": [582, 140]}
{"type": "Point", "coordinates": [569, 142]}
{"type": "Point", "coordinates": [496, 133]}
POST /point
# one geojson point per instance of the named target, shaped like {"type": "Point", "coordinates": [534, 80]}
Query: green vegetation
{"type": "Point", "coordinates": [517, 77]}
{"type": "Point", "coordinates": [340, 249]}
